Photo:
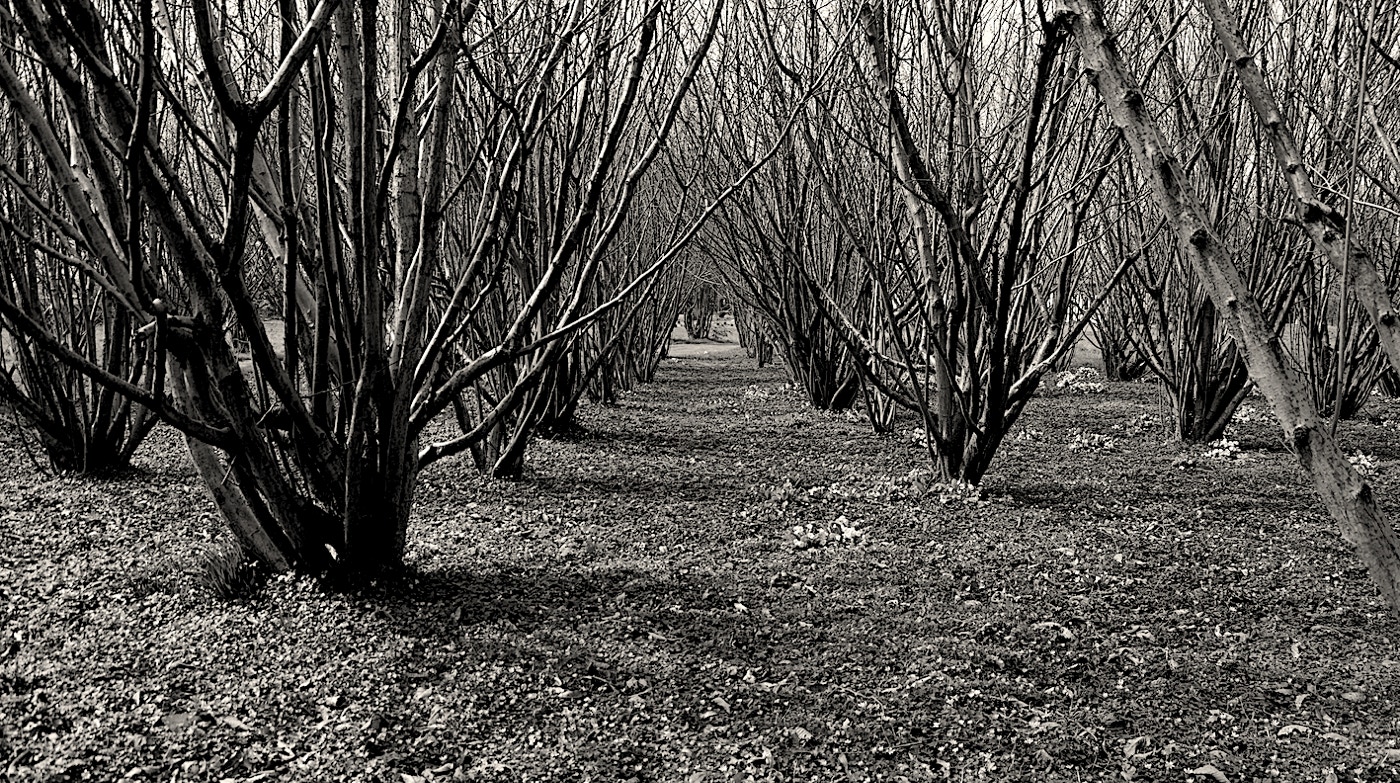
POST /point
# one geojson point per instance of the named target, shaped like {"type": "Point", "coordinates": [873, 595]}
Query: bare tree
{"type": "Point", "coordinates": [974, 299]}
{"type": "Point", "coordinates": [82, 426]}
{"type": "Point", "coordinates": [779, 257]}
{"type": "Point", "coordinates": [702, 305]}
{"type": "Point", "coordinates": [1163, 311]}
{"type": "Point", "coordinates": [411, 265]}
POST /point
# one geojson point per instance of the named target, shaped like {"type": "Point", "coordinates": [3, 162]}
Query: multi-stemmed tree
{"type": "Point", "coordinates": [966, 220]}
{"type": "Point", "coordinates": [782, 259]}
{"type": "Point", "coordinates": [431, 188]}
{"type": "Point", "coordinates": [82, 426]}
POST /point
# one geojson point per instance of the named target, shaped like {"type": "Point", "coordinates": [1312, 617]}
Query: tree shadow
{"type": "Point", "coordinates": [436, 604]}
{"type": "Point", "coordinates": [1186, 488]}
{"type": "Point", "coordinates": [681, 442]}
{"type": "Point", "coordinates": [1036, 494]}
{"type": "Point", "coordinates": [671, 488]}
{"type": "Point", "coordinates": [1270, 443]}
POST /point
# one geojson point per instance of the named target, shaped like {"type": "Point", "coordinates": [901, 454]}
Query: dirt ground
{"type": "Point", "coordinates": [717, 583]}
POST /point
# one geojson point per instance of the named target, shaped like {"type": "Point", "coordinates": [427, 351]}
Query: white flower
{"type": "Point", "coordinates": [1223, 450]}
{"type": "Point", "coordinates": [1364, 464]}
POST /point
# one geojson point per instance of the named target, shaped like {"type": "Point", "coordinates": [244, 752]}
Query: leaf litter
{"type": "Point", "coordinates": [641, 607]}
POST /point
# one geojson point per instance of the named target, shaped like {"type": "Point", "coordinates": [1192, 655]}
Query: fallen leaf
{"type": "Point", "coordinates": [1130, 748]}
{"type": "Point", "coordinates": [235, 723]}
{"type": "Point", "coordinates": [177, 720]}
{"type": "Point", "coordinates": [1209, 770]}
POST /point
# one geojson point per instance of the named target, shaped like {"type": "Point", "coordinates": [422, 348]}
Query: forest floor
{"type": "Point", "coordinates": [1117, 606]}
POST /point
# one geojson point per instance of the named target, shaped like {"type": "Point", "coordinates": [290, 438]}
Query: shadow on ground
{"type": "Point", "coordinates": [435, 604]}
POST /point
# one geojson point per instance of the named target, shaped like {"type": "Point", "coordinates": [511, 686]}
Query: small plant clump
{"type": "Point", "coordinates": [226, 571]}
{"type": "Point", "coordinates": [840, 532]}
{"type": "Point", "coordinates": [1364, 463]}
{"type": "Point", "coordinates": [1092, 441]}
{"type": "Point", "coordinates": [921, 483]}
{"type": "Point", "coordinates": [1244, 415]}
{"type": "Point", "coordinates": [917, 484]}
{"type": "Point", "coordinates": [1223, 450]}
{"type": "Point", "coordinates": [1248, 414]}
{"type": "Point", "coordinates": [759, 391]}
{"type": "Point", "coordinates": [783, 494]}
{"type": "Point", "coordinates": [1085, 380]}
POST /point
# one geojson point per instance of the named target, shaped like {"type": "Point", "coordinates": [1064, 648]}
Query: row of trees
{"type": "Point", "coordinates": [1157, 316]}
{"type": "Point", "coordinates": [979, 185]}
{"type": "Point", "coordinates": [305, 233]}
{"type": "Point", "coordinates": [300, 234]}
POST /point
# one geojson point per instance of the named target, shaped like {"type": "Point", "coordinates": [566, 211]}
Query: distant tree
{"type": "Point", "coordinates": [1164, 313]}
{"type": "Point", "coordinates": [82, 426]}
{"type": "Point", "coordinates": [767, 251]}
{"type": "Point", "coordinates": [969, 220]}
{"type": "Point", "coordinates": [778, 256]}
{"type": "Point", "coordinates": [702, 305]}
{"type": "Point", "coordinates": [753, 335]}
{"type": "Point", "coordinates": [624, 344]}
